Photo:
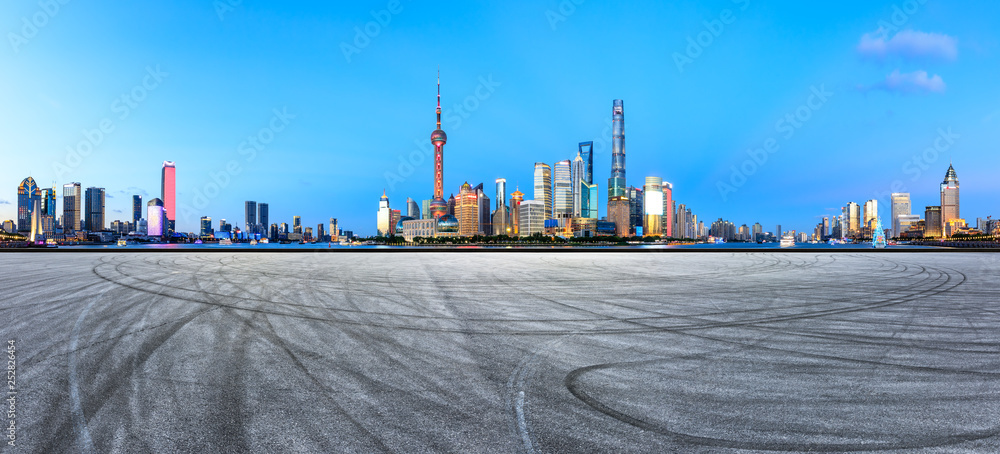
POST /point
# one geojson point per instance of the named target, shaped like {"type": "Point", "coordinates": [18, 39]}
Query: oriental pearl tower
{"type": "Point", "coordinates": [439, 207]}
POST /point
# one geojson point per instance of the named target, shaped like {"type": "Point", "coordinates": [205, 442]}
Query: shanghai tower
{"type": "Point", "coordinates": [618, 202]}
{"type": "Point", "coordinates": [616, 184]}
{"type": "Point", "coordinates": [438, 206]}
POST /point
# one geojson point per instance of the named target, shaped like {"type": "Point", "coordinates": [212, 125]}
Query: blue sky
{"type": "Point", "coordinates": [339, 115]}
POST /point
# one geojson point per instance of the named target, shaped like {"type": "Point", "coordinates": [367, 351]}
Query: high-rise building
{"type": "Point", "coordinates": [531, 217]}
{"type": "Point", "coordinates": [580, 192]}
{"type": "Point", "coordinates": [515, 211]}
{"type": "Point", "coordinates": [334, 230]}
{"type": "Point", "coordinates": [168, 193]}
{"type": "Point", "coordinates": [900, 207]}
{"type": "Point", "coordinates": [682, 222]}
{"type": "Point", "coordinates": [94, 209]}
{"type": "Point", "coordinates": [825, 227]}
{"type": "Point", "coordinates": [777, 231]}
{"type": "Point", "coordinates": [384, 216]}
{"type": "Point", "coordinates": [667, 226]}
{"type": "Point", "coordinates": [156, 218]}
{"type": "Point", "coordinates": [250, 216]}
{"type": "Point", "coordinates": [36, 233]}
{"type": "Point", "coordinates": [852, 220]}
{"type": "Point", "coordinates": [297, 220]}
{"type": "Point", "coordinates": [616, 184]}
{"type": "Point", "coordinates": [48, 199]}
{"type": "Point", "coordinates": [949, 200]}
{"type": "Point", "coordinates": [483, 213]}
{"type": "Point", "coordinates": [206, 228]}
{"type": "Point", "coordinates": [562, 190]}
{"type": "Point", "coordinates": [586, 153]}
{"type": "Point", "coordinates": [543, 186]}
{"type": "Point", "coordinates": [27, 194]}
{"type": "Point", "coordinates": [933, 227]}
{"type": "Point", "coordinates": [501, 195]}
{"type": "Point", "coordinates": [425, 209]}
{"type": "Point", "coordinates": [263, 218]}
{"type": "Point", "coordinates": [619, 213]}
{"type": "Point", "coordinates": [467, 210]}
{"type": "Point", "coordinates": [438, 206]}
{"type": "Point", "coordinates": [320, 233]}
{"type": "Point", "coordinates": [136, 208]}
{"type": "Point", "coordinates": [412, 209]}
{"type": "Point", "coordinates": [501, 215]}
{"type": "Point", "coordinates": [870, 217]}
{"type": "Point", "coordinates": [72, 198]}
{"type": "Point", "coordinates": [636, 203]}
{"type": "Point", "coordinates": [652, 207]}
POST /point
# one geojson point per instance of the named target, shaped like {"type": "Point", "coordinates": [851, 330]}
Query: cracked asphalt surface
{"type": "Point", "coordinates": [526, 352]}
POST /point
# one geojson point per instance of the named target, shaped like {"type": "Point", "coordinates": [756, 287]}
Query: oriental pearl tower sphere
{"type": "Point", "coordinates": [439, 207]}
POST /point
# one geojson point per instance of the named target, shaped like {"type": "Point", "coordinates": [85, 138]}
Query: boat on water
{"type": "Point", "coordinates": [787, 241]}
{"type": "Point", "coordinates": [253, 242]}
{"type": "Point", "coordinates": [225, 242]}
{"type": "Point", "coordinates": [122, 242]}
{"type": "Point", "coordinates": [263, 241]}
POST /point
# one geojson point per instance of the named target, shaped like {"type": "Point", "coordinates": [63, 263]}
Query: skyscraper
{"type": "Point", "coordinates": [852, 220]}
{"type": "Point", "coordinates": [562, 190]}
{"type": "Point", "coordinates": [136, 209]}
{"type": "Point", "coordinates": [168, 193]}
{"type": "Point", "coordinates": [384, 216]}
{"type": "Point", "coordinates": [94, 209]}
{"type": "Point", "coordinates": [467, 210]}
{"type": "Point", "coordinates": [586, 153]}
{"type": "Point", "coordinates": [206, 228]}
{"type": "Point", "coordinates": [412, 209]}
{"type": "Point", "coordinates": [531, 217]}
{"type": "Point", "coordinates": [439, 206]}
{"type": "Point", "coordinates": [870, 216]}
{"type": "Point", "coordinates": [516, 198]}
{"type": "Point", "coordinates": [543, 186]}
{"type": "Point", "coordinates": [616, 184]}
{"type": "Point", "coordinates": [250, 216]}
{"type": "Point", "coordinates": [949, 200]}
{"type": "Point", "coordinates": [27, 194]}
{"type": "Point", "coordinates": [900, 207]}
{"type": "Point", "coordinates": [156, 218]}
{"type": "Point", "coordinates": [635, 208]}
{"type": "Point", "coordinates": [932, 222]}
{"type": "Point", "coordinates": [619, 213]}
{"type": "Point", "coordinates": [72, 198]}
{"type": "Point", "coordinates": [501, 215]}
{"type": "Point", "coordinates": [653, 207]}
{"type": "Point", "coordinates": [580, 192]}
{"type": "Point", "coordinates": [263, 216]}
{"type": "Point", "coordinates": [297, 220]}
{"type": "Point", "coordinates": [334, 230]}
{"type": "Point", "coordinates": [668, 215]}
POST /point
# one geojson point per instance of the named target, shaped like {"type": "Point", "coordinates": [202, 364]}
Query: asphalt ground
{"type": "Point", "coordinates": [527, 352]}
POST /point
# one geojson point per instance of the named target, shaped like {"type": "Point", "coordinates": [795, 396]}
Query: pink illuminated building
{"type": "Point", "coordinates": [168, 194]}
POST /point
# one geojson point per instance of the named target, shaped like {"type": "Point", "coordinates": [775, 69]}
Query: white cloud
{"type": "Point", "coordinates": [917, 82]}
{"type": "Point", "coordinates": [908, 44]}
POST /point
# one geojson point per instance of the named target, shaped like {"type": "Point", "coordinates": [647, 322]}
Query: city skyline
{"type": "Point", "coordinates": [690, 127]}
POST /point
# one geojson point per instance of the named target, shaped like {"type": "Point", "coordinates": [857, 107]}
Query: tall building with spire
{"type": "Point", "coordinates": [616, 184]}
{"type": "Point", "coordinates": [27, 193]}
{"type": "Point", "coordinates": [384, 216]}
{"type": "Point", "coordinates": [949, 200]}
{"type": "Point", "coordinates": [439, 207]}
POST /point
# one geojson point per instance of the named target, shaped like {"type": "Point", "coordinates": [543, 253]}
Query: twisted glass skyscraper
{"type": "Point", "coordinates": [616, 184]}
